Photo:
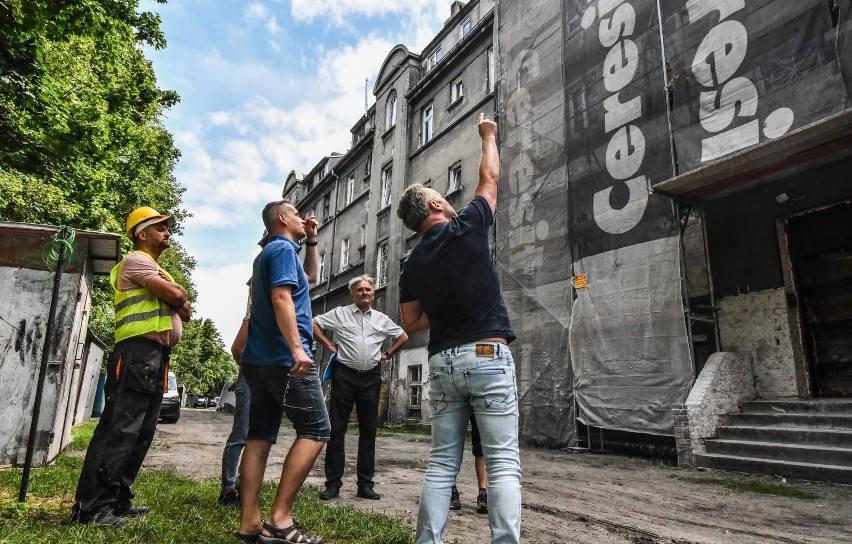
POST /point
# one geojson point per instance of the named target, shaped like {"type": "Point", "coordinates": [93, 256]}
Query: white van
{"type": "Point", "coordinates": [170, 409]}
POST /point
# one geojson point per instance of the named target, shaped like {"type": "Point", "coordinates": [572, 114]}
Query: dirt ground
{"type": "Point", "coordinates": [567, 497]}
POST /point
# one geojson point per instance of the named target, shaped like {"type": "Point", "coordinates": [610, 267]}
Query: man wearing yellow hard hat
{"type": "Point", "coordinates": [149, 309]}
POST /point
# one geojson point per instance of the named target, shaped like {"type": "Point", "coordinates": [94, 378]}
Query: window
{"type": "Point", "coordinates": [326, 206]}
{"type": "Point", "coordinates": [382, 266]}
{"type": "Point", "coordinates": [387, 185]}
{"type": "Point", "coordinates": [426, 125]}
{"type": "Point", "coordinates": [310, 183]}
{"type": "Point", "coordinates": [456, 90]}
{"type": "Point", "coordinates": [415, 386]}
{"type": "Point", "coordinates": [344, 254]}
{"type": "Point", "coordinates": [362, 236]}
{"type": "Point", "coordinates": [390, 111]}
{"type": "Point", "coordinates": [321, 267]}
{"type": "Point", "coordinates": [465, 28]}
{"type": "Point", "coordinates": [489, 69]}
{"type": "Point", "coordinates": [350, 190]}
{"type": "Point", "coordinates": [325, 169]}
{"type": "Point", "coordinates": [578, 116]}
{"type": "Point", "coordinates": [433, 59]}
{"type": "Point", "coordinates": [368, 165]}
{"type": "Point", "coordinates": [454, 181]}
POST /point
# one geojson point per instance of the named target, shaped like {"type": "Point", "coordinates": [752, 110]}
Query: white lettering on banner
{"type": "Point", "coordinates": [626, 149]}
{"type": "Point", "coordinates": [717, 59]}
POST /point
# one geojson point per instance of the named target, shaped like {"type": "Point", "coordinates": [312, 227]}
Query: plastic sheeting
{"type": "Point", "coordinates": [628, 338]}
{"type": "Point", "coordinates": [533, 254]}
{"type": "Point", "coordinates": [745, 72]}
{"type": "Point", "coordinates": [599, 100]}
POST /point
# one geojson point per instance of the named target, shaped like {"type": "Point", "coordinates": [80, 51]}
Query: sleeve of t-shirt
{"type": "Point", "coordinates": [391, 329]}
{"type": "Point", "coordinates": [283, 267]}
{"type": "Point", "coordinates": [139, 269]}
{"type": "Point", "coordinates": [404, 294]}
{"type": "Point", "coordinates": [327, 321]}
{"type": "Point", "coordinates": [477, 213]}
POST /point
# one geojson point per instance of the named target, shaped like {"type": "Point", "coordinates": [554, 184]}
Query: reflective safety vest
{"type": "Point", "coordinates": [139, 311]}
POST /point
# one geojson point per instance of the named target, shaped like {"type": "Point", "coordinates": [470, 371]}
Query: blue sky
{"type": "Point", "coordinates": [266, 87]}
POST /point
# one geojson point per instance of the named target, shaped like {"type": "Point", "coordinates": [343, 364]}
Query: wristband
{"type": "Point", "coordinates": [311, 243]}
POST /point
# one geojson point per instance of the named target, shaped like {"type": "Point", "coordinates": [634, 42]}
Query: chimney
{"type": "Point", "coordinates": [455, 8]}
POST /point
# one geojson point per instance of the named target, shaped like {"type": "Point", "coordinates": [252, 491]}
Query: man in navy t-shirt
{"type": "Point", "coordinates": [449, 286]}
{"type": "Point", "coordinates": [281, 375]}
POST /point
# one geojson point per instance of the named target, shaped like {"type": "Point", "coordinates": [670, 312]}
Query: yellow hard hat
{"type": "Point", "coordinates": [148, 216]}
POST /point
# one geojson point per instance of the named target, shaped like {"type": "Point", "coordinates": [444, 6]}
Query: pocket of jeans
{"type": "Point", "coordinates": [494, 387]}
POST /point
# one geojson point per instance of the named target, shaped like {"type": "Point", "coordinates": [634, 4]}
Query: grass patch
{"type": "Point", "coordinates": [183, 510]}
{"type": "Point", "coordinates": [754, 486]}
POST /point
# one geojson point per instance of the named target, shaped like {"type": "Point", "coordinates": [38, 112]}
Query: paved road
{"type": "Point", "coordinates": [567, 497]}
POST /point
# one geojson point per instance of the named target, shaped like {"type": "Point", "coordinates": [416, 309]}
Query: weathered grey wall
{"type": "Point", "coordinates": [26, 301]}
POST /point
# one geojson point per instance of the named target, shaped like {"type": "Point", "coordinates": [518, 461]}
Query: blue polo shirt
{"type": "Point", "coordinates": [277, 265]}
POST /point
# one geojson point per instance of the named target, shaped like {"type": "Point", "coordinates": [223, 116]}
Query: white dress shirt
{"type": "Point", "coordinates": [359, 336]}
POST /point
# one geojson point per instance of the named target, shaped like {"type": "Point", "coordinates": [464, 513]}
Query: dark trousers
{"type": "Point", "coordinates": [361, 389]}
{"type": "Point", "coordinates": [134, 391]}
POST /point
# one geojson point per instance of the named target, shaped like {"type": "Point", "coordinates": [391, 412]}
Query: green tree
{"type": "Point", "coordinates": [82, 141]}
{"type": "Point", "coordinates": [200, 359]}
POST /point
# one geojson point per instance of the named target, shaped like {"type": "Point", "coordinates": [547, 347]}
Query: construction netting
{"type": "Point", "coordinates": [598, 101]}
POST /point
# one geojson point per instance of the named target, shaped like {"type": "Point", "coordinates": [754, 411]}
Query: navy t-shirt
{"type": "Point", "coordinates": [277, 265]}
{"type": "Point", "coordinates": [450, 272]}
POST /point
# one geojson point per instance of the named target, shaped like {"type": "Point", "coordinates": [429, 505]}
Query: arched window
{"type": "Point", "coordinates": [390, 111]}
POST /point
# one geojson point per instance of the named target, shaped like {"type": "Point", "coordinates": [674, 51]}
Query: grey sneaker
{"type": "Point", "coordinates": [455, 500]}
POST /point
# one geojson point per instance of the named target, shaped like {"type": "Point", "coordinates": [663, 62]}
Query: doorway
{"type": "Point", "coordinates": [819, 244]}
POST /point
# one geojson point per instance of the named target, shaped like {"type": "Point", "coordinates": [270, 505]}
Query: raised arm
{"type": "Point", "coordinates": [311, 264]}
{"type": "Point", "coordinates": [489, 164]}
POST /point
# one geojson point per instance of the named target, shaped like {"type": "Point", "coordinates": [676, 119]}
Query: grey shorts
{"type": "Point", "coordinates": [274, 392]}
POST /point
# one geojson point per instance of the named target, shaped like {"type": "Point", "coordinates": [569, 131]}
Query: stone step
{"type": "Point", "coordinates": [789, 469]}
{"type": "Point", "coordinates": [793, 435]}
{"type": "Point", "coordinates": [798, 406]}
{"type": "Point", "coordinates": [803, 453]}
{"type": "Point", "coordinates": [806, 421]}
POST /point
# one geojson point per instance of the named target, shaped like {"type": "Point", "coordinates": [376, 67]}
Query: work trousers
{"type": "Point", "coordinates": [360, 389]}
{"type": "Point", "coordinates": [134, 391]}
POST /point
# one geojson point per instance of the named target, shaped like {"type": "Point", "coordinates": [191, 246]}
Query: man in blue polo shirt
{"type": "Point", "coordinates": [281, 375]}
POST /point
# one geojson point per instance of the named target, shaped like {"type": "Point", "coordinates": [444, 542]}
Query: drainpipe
{"type": "Point", "coordinates": [42, 374]}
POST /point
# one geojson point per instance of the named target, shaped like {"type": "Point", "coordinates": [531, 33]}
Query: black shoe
{"type": "Point", "coordinates": [126, 509]}
{"type": "Point", "coordinates": [229, 497]}
{"type": "Point", "coordinates": [104, 517]}
{"type": "Point", "coordinates": [329, 493]}
{"type": "Point", "coordinates": [482, 502]}
{"type": "Point", "coordinates": [368, 493]}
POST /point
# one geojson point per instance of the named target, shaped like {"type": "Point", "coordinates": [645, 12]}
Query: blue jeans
{"type": "Point", "coordinates": [237, 438]}
{"type": "Point", "coordinates": [476, 378]}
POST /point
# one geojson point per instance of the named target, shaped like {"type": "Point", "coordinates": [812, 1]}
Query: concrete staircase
{"type": "Point", "coordinates": [807, 439]}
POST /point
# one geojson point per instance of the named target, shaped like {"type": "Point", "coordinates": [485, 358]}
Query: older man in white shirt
{"type": "Point", "coordinates": [359, 332]}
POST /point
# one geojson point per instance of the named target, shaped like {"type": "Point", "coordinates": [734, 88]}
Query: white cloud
{"type": "Point", "coordinates": [338, 10]}
{"type": "Point", "coordinates": [256, 12]}
{"type": "Point", "coordinates": [228, 178]}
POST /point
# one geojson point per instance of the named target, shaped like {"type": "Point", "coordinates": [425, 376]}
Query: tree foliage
{"type": "Point", "coordinates": [200, 360]}
{"type": "Point", "coordinates": [82, 141]}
